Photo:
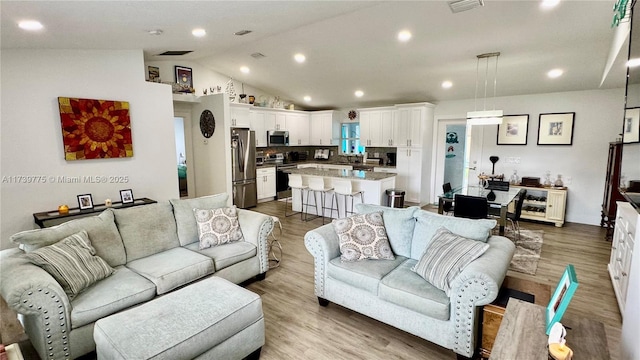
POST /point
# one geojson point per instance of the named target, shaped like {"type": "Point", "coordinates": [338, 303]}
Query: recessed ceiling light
{"type": "Point", "coordinates": [300, 57]}
{"type": "Point", "coordinates": [307, 98]}
{"type": "Point", "coordinates": [548, 4]}
{"type": "Point", "coordinates": [359, 93]}
{"type": "Point", "coordinates": [30, 25]}
{"type": "Point", "coordinates": [199, 32]}
{"type": "Point", "coordinates": [244, 69]}
{"type": "Point", "coordinates": [633, 62]}
{"type": "Point", "coordinates": [555, 73]}
{"type": "Point", "coordinates": [404, 35]}
{"type": "Point", "coordinates": [447, 84]}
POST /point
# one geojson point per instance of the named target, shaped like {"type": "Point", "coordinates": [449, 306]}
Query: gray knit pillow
{"type": "Point", "coordinates": [73, 262]}
{"type": "Point", "coordinates": [217, 226]}
{"type": "Point", "coordinates": [445, 257]}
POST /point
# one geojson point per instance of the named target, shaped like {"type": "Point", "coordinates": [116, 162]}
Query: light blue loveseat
{"type": "Point", "coordinates": [154, 250]}
{"type": "Point", "coordinates": [389, 291]}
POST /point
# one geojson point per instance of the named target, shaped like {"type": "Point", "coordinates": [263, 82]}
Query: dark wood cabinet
{"type": "Point", "coordinates": [611, 188]}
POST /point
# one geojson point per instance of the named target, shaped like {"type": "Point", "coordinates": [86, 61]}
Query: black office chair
{"type": "Point", "coordinates": [515, 216]}
{"type": "Point", "coordinates": [448, 205]}
{"type": "Point", "coordinates": [471, 207]}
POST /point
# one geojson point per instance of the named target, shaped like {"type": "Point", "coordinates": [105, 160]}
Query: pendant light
{"type": "Point", "coordinates": [484, 116]}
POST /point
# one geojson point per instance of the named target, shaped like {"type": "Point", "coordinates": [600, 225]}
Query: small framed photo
{"type": "Point", "coordinates": [561, 296]}
{"type": "Point", "coordinates": [631, 129]}
{"type": "Point", "coordinates": [184, 77]}
{"type": "Point", "coordinates": [126, 196]}
{"type": "Point", "coordinates": [513, 130]}
{"type": "Point", "coordinates": [85, 201]}
{"type": "Point", "coordinates": [556, 129]}
{"type": "Point", "coordinates": [154, 73]}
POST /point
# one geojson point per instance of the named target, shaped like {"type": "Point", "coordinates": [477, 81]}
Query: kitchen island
{"type": "Point", "coordinates": [373, 184]}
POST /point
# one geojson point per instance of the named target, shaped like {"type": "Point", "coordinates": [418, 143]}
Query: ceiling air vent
{"type": "Point", "coordinates": [464, 5]}
{"type": "Point", "coordinates": [176, 52]}
{"type": "Point", "coordinates": [258, 55]}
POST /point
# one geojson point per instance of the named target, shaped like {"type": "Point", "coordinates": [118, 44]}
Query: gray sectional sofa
{"type": "Point", "coordinates": [389, 291]}
{"type": "Point", "coordinates": [154, 249]}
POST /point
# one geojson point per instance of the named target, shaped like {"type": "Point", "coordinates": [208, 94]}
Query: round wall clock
{"type": "Point", "coordinates": [352, 114]}
{"type": "Point", "coordinates": [207, 123]}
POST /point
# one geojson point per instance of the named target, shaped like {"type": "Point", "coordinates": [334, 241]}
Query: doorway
{"type": "Point", "coordinates": [184, 153]}
{"type": "Point", "coordinates": [450, 155]}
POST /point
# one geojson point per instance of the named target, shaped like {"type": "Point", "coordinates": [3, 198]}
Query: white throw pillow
{"type": "Point", "coordinates": [363, 236]}
{"type": "Point", "coordinates": [217, 226]}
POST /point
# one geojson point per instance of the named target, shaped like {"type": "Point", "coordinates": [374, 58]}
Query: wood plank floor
{"type": "Point", "coordinates": [298, 328]}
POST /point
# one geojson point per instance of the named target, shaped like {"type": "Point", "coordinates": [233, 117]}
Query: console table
{"type": "Point", "coordinates": [522, 335]}
{"type": "Point", "coordinates": [42, 218]}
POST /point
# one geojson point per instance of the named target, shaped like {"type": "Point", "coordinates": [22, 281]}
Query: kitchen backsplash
{"type": "Point", "coordinates": [309, 151]}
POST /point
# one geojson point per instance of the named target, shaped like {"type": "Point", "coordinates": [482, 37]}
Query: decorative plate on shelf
{"type": "Point", "coordinates": [352, 114]}
{"type": "Point", "coordinates": [207, 123]}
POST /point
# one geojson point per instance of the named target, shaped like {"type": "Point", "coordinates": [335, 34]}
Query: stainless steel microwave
{"type": "Point", "coordinates": [277, 138]}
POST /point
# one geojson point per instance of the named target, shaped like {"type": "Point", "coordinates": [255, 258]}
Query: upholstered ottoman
{"type": "Point", "coordinates": [210, 319]}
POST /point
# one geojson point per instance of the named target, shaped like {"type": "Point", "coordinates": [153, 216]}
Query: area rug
{"type": "Point", "coordinates": [528, 247]}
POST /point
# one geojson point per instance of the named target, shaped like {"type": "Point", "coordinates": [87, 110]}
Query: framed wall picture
{"type": "Point", "coordinates": [556, 129]}
{"type": "Point", "coordinates": [126, 196]}
{"type": "Point", "coordinates": [513, 130]}
{"type": "Point", "coordinates": [154, 73]}
{"type": "Point", "coordinates": [561, 296]}
{"type": "Point", "coordinates": [85, 201]}
{"type": "Point", "coordinates": [184, 77]}
{"type": "Point", "coordinates": [631, 129]}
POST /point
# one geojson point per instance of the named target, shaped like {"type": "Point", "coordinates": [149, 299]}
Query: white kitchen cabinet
{"type": "Point", "coordinates": [266, 183]}
{"type": "Point", "coordinates": [240, 116]}
{"type": "Point", "coordinates": [408, 125]}
{"type": "Point", "coordinates": [625, 237]}
{"type": "Point", "coordinates": [298, 127]}
{"type": "Point", "coordinates": [376, 127]}
{"type": "Point", "coordinates": [407, 161]}
{"type": "Point", "coordinates": [258, 124]}
{"type": "Point", "coordinates": [322, 128]}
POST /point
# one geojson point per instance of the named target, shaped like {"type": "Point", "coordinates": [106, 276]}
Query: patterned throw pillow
{"type": "Point", "coordinates": [73, 262]}
{"type": "Point", "coordinates": [445, 257]}
{"type": "Point", "coordinates": [363, 236]}
{"type": "Point", "coordinates": [217, 226]}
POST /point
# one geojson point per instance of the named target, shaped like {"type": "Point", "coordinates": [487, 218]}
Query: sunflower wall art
{"type": "Point", "coordinates": [95, 129]}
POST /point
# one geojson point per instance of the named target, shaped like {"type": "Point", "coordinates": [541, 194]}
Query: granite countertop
{"type": "Point", "coordinates": [346, 174]}
{"type": "Point", "coordinates": [321, 162]}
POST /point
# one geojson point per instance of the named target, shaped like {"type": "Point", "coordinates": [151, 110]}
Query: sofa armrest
{"type": "Point", "coordinates": [35, 294]}
{"type": "Point", "coordinates": [323, 244]}
{"type": "Point", "coordinates": [256, 228]}
{"type": "Point", "coordinates": [478, 284]}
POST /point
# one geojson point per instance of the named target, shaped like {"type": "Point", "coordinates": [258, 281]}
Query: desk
{"type": "Point", "coordinates": [502, 200]}
{"type": "Point", "coordinates": [49, 216]}
{"type": "Point", "coordinates": [522, 335]}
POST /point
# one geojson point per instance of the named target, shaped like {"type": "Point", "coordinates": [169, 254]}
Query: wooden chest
{"type": "Point", "coordinates": [491, 319]}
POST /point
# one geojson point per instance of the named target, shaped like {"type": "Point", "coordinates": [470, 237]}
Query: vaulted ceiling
{"type": "Point", "coordinates": [349, 45]}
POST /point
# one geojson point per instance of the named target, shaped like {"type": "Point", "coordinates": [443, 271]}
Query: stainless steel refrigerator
{"type": "Point", "coordinates": [243, 168]}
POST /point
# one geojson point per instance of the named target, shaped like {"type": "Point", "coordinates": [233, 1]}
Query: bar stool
{"type": "Point", "coordinates": [345, 188]}
{"type": "Point", "coordinates": [317, 186]}
{"type": "Point", "coordinates": [295, 183]}
{"type": "Point", "coordinates": [275, 248]}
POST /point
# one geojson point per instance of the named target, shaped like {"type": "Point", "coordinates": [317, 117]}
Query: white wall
{"type": "Point", "coordinates": [31, 136]}
{"type": "Point", "coordinates": [598, 120]}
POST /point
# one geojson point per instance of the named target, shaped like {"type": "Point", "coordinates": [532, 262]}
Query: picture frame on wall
{"type": "Point", "coordinates": [154, 73]}
{"type": "Point", "coordinates": [631, 128]}
{"type": "Point", "coordinates": [126, 196]}
{"type": "Point", "coordinates": [184, 77]}
{"type": "Point", "coordinates": [561, 296]}
{"type": "Point", "coordinates": [513, 130]}
{"type": "Point", "coordinates": [556, 128]}
{"type": "Point", "coordinates": [85, 201]}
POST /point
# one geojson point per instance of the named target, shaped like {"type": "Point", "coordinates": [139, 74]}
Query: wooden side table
{"type": "Point", "coordinates": [522, 335]}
